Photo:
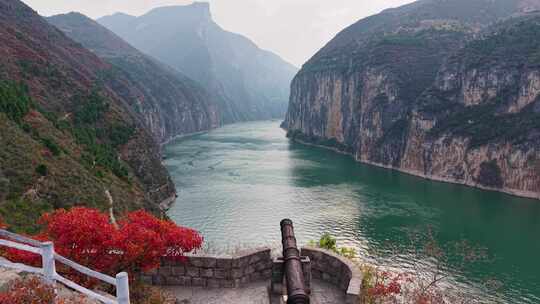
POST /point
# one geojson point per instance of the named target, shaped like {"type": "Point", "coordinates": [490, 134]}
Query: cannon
{"type": "Point", "coordinates": [296, 289]}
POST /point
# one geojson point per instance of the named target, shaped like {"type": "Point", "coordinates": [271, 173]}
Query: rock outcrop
{"type": "Point", "coordinates": [446, 90]}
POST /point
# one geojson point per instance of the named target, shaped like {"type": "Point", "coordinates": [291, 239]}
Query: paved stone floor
{"type": "Point", "coordinates": [324, 293]}
{"type": "Point", "coordinates": [256, 293]}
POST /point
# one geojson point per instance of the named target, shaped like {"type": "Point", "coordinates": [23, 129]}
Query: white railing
{"type": "Point", "coordinates": [49, 258]}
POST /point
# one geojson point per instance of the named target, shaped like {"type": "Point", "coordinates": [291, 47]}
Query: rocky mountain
{"type": "Point", "coordinates": [446, 90]}
{"type": "Point", "coordinates": [170, 103]}
{"type": "Point", "coordinates": [248, 82]}
{"type": "Point", "coordinates": [69, 136]}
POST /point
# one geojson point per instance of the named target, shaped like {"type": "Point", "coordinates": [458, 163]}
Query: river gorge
{"type": "Point", "coordinates": [236, 183]}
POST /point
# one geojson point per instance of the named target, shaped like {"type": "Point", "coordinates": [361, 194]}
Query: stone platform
{"type": "Point", "coordinates": [247, 276]}
{"type": "Point", "coordinates": [255, 293]}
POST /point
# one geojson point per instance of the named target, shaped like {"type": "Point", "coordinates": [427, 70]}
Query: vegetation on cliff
{"type": "Point", "coordinates": [168, 102]}
{"type": "Point", "coordinates": [14, 100]}
{"type": "Point", "coordinates": [433, 88]}
{"type": "Point", "coordinates": [511, 48]}
{"type": "Point", "coordinates": [67, 136]}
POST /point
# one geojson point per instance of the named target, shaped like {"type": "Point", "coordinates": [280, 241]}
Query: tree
{"type": "Point", "coordinates": [86, 236]}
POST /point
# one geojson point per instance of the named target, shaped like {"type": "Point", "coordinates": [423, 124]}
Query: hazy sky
{"type": "Point", "coordinates": [294, 29]}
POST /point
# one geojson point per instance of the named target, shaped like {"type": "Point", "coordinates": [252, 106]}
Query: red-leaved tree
{"type": "Point", "coordinates": [86, 236]}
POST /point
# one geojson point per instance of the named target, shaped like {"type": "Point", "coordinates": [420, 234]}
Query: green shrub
{"type": "Point", "coordinates": [120, 135]}
{"type": "Point", "coordinates": [99, 174]}
{"type": "Point", "coordinates": [22, 215]}
{"type": "Point", "coordinates": [50, 116]}
{"type": "Point", "coordinates": [52, 146]}
{"type": "Point", "coordinates": [91, 109]}
{"type": "Point", "coordinates": [14, 100]}
{"type": "Point", "coordinates": [327, 242]}
{"type": "Point", "coordinates": [100, 141]}
{"type": "Point", "coordinates": [42, 170]}
{"type": "Point", "coordinates": [347, 252]}
{"type": "Point", "coordinates": [26, 128]}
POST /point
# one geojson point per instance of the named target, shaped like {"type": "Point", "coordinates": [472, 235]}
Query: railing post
{"type": "Point", "coordinates": [47, 259]}
{"type": "Point", "coordinates": [122, 288]}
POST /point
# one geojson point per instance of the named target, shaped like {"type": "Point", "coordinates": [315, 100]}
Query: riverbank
{"type": "Point", "coordinates": [513, 192]}
{"type": "Point", "coordinates": [181, 136]}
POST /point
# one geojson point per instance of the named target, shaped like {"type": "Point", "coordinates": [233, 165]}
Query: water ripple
{"type": "Point", "coordinates": [236, 183]}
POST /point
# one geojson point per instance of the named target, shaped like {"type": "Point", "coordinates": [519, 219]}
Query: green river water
{"type": "Point", "coordinates": [236, 183]}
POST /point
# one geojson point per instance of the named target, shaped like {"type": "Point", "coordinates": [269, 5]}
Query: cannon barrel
{"type": "Point", "coordinates": [296, 289]}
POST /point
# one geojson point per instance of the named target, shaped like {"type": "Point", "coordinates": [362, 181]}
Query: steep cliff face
{"type": "Point", "coordinates": [248, 83]}
{"type": "Point", "coordinates": [66, 135]}
{"type": "Point", "coordinates": [169, 103]}
{"type": "Point", "coordinates": [420, 90]}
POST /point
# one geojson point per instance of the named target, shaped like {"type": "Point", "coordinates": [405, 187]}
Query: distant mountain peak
{"type": "Point", "coordinates": [251, 83]}
{"type": "Point", "coordinates": [194, 11]}
{"type": "Point", "coordinates": [120, 14]}
{"type": "Point", "coordinates": [119, 17]}
{"type": "Point", "coordinates": [91, 34]}
{"type": "Point", "coordinates": [528, 6]}
{"type": "Point", "coordinates": [204, 6]}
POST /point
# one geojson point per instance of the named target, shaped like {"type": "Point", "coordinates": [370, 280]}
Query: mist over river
{"type": "Point", "coordinates": [236, 183]}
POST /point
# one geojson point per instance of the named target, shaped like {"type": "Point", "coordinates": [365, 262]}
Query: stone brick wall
{"type": "Point", "coordinates": [214, 271]}
{"type": "Point", "coordinates": [337, 270]}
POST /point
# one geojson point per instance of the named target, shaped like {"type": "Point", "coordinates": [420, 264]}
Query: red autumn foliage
{"type": "Point", "coordinates": [23, 257]}
{"type": "Point", "coordinates": [46, 153]}
{"type": "Point", "coordinates": [386, 286]}
{"type": "Point", "coordinates": [28, 291]}
{"type": "Point", "coordinates": [150, 238]}
{"type": "Point", "coordinates": [87, 237]}
{"type": "Point", "coordinates": [382, 290]}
